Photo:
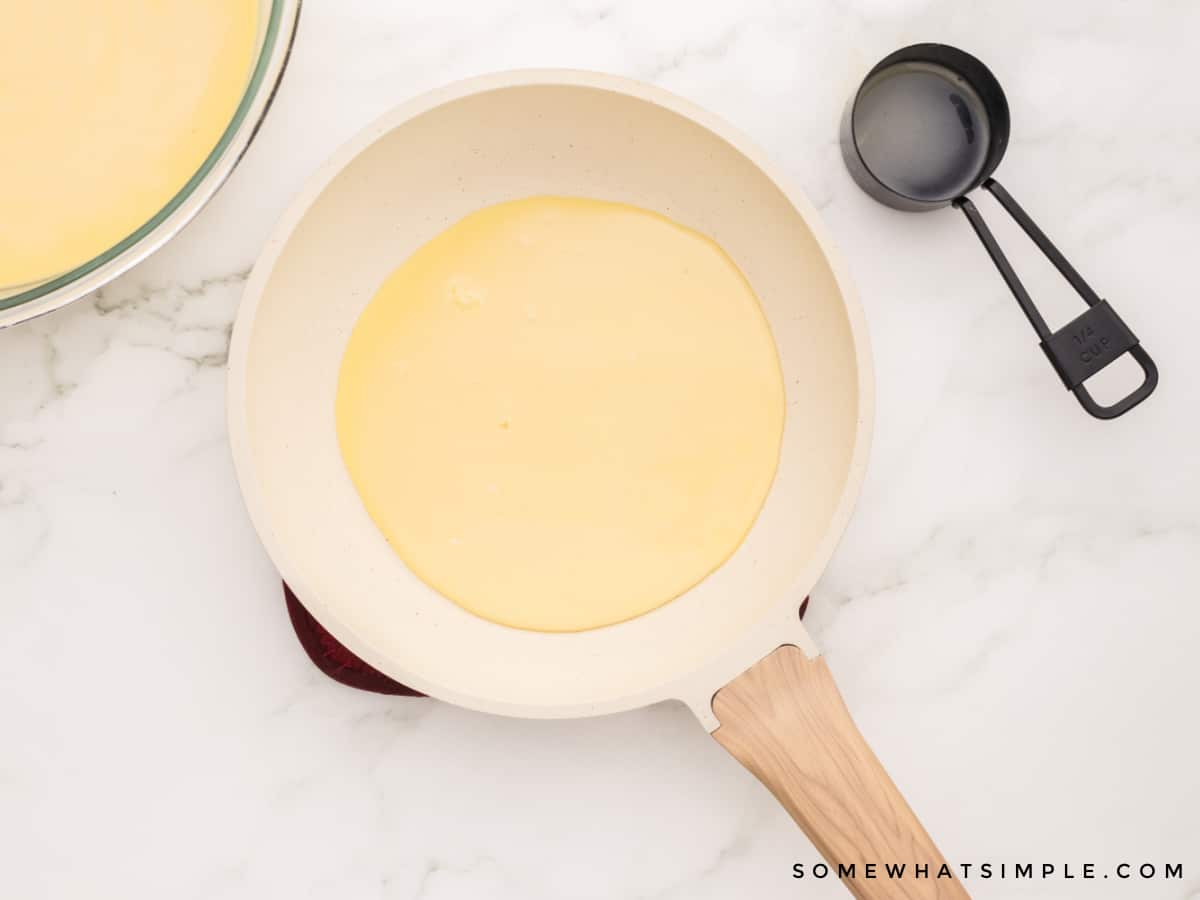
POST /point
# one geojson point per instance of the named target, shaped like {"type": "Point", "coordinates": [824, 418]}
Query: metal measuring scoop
{"type": "Point", "coordinates": [928, 125]}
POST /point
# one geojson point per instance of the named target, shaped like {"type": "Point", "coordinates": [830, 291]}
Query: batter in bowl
{"type": "Point", "coordinates": [562, 413]}
{"type": "Point", "coordinates": [108, 108]}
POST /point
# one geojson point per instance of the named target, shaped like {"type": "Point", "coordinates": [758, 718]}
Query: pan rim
{"type": "Point", "coordinates": [778, 625]}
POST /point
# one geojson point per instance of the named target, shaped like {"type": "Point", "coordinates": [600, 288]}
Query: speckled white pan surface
{"type": "Point", "coordinates": [402, 181]}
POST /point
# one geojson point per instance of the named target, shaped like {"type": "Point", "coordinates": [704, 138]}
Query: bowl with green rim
{"type": "Point", "coordinates": [277, 29]}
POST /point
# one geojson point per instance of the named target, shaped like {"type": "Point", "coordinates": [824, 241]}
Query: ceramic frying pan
{"type": "Point", "coordinates": [732, 648]}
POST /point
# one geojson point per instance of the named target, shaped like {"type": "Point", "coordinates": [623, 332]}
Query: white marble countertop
{"type": "Point", "coordinates": [1012, 616]}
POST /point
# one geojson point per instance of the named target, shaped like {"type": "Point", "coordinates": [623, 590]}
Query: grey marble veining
{"type": "Point", "coordinates": [1012, 615]}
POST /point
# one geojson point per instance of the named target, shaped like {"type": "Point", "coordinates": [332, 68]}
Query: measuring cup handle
{"type": "Point", "coordinates": [1086, 344]}
{"type": "Point", "coordinates": [1128, 402]}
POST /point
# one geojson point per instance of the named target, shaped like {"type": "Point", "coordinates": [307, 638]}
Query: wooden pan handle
{"type": "Point", "coordinates": [785, 721]}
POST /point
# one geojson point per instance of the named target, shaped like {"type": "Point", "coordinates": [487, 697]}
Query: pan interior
{"type": "Point", "coordinates": [406, 180]}
{"type": "Point", "coordinates": [922, 130]}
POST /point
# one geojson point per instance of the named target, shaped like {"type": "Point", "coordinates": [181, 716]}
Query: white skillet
{"type": "Point", "coordinates": [732, 648]}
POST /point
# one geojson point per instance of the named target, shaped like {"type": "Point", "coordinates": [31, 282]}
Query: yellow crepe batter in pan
{"type": "Point", "coordinates": [562, 413]}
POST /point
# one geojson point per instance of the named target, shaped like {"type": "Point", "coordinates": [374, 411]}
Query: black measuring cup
{"type": "Point", "coordinates": [928, 125]}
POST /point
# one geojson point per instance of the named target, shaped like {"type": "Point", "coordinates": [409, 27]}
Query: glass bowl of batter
{"type": "Point", "coordinates": [131, 115]}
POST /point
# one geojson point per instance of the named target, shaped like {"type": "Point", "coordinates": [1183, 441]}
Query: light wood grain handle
{"type": "Point", "coordinates": [785, 721]}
